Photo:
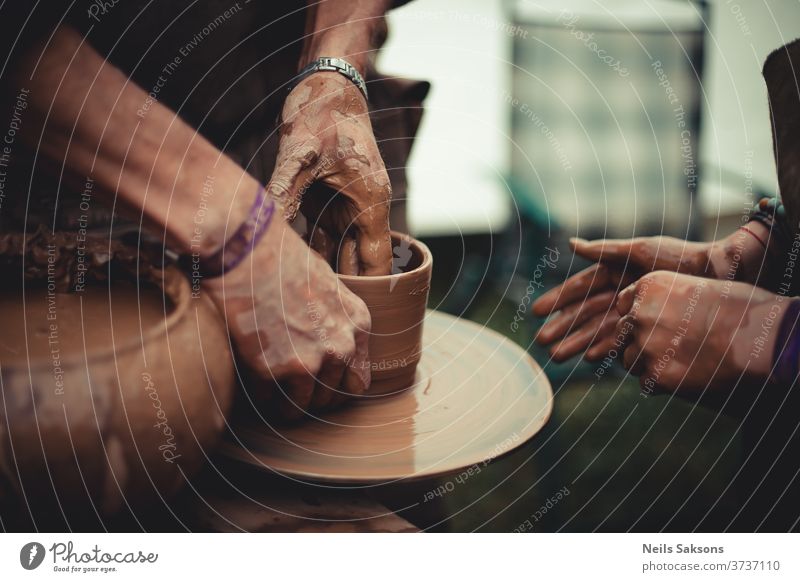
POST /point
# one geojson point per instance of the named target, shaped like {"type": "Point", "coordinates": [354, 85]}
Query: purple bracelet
{"type": "Point", "coordinates": [787, 347]}
{"type": "Point", "coordinates": [242, 242]}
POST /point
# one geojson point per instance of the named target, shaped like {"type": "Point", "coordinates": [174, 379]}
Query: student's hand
{"type": "Point", "coordinates": [584, 302]}
{"type": "Point", "coordinates": [691, 333]}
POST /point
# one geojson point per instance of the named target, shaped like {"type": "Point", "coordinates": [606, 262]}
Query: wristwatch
{"type": "Point", "coordinates": [335, 65]}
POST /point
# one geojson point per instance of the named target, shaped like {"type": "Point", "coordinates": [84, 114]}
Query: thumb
{"type": "Point", "coordinates": [289, 182]}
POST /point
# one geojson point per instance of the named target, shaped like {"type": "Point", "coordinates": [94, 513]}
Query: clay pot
{"type": "Point", "coordinates": [397, 305]}
{"type": "Point", "coordinates": [116, 425]}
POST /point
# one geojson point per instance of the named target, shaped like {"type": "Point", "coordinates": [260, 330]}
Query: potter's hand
{"type": "Point", "coordinates": [284, 311]}
{"type": "Point", "coordinates": [690, 333]}
{"type": "Point", "coordinates": [292, 322]}
{"type": "Point", "coordinates": [585, 300]}
{"type": "Point", "coordinates": [326, 137]}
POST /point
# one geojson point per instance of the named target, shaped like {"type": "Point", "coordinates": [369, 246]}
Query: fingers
{"type": "Point", "coordinates": [369, 194]}
{"type": "Point", "coordinates": [346, 372]}
{"type": "Point", "coordinates": [348, 262]}
{"type": "Point", "coordinates": [328, 382]}
{"type": "Point", "coordinates": [603, 249]}
{"type": "Point", "coordinates": [374, 245]}
{"type": "Point", "coordinates": [373, 241]}
{"type": "Point", "coordinates": [597, 277]}
{"type": "Point", "coordinates": [298, 391]}
{"type": "Point", "coordinates": [356, 380]}
{"type": "Point", "coordinates": [633, 359]}
{"type": "Point", "coordinates": [645, 253]}
{"type": "Point", "coordinates": [597, 328]}
{"type": "Point", "coordinates": [605, 347]}
{"type": "Point", "coordinates": [291, 177]}
{"type": "Point", "coordinates": [626, 299]}
{"type": "Point", "coordinates": [574, 288]}
{"type": "Point", "coordinates": [574, 315]}
{"type": "Point", "coordinates": [322, 243]}
{"type": "Point", "coordinates": [358, 374]}
{"type": "Point", "coordinates": [656, 371]}
{"type": "Point", "coordinates": [357, 217]}
{"type": "Point", "coordinates": [613, 343]}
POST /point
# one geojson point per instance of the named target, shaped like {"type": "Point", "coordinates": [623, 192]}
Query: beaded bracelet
{"type": "Point", "coordinates": [772, 205]}
{"type": "Point", "coordinates": [770, 211]}
{"type": "Point", "coordinates": [240, 244]}
{"type": "Point", "coordinates": [786, 358]}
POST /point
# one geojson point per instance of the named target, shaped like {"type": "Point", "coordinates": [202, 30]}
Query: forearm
{"type": "Point", "coordinates": [343, 28]}
{"type": "Point", "coordinates": [88, 116]}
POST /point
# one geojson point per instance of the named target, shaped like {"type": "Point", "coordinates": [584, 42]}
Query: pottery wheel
{"type": "Point", "coordinates": [477, 396]}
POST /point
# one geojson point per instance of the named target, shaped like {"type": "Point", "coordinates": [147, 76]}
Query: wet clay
{"type": "Point", "coordinates": [69, 324]}
{"type": "Point", "coordinates": [477, 396]}
{"type": "Point", "coordinates": [397, 305]}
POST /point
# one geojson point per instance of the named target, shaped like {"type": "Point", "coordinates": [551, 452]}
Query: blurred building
{"type": "Point", "coordinates": [605, 113]}
{"type": "Point", "coordinates": [557, 107]}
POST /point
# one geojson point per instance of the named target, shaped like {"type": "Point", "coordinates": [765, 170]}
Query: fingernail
{"type": "Point", "coordinates": [577, 240]}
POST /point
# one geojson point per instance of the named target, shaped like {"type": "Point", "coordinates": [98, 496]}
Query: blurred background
{"type": "Point", "coordinates": [552, 119]}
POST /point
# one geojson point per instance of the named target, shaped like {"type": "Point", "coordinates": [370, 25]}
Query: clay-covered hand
{"type": "Point", "coordinates": [326, 137]}
{"type": "Point", "coordinates": [584, 302]}
{"type": "Point", "coordinates": [294, 324]}
{"type": "Point", "coordinates": [691, 333]}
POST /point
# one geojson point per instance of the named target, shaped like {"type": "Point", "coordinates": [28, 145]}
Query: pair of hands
{"type": "Point", "coordinates": [686, 315]}
{"type": "Point", "coordinates": [291, 321]}
{"type": "Point", "coordinates": [288, 318]}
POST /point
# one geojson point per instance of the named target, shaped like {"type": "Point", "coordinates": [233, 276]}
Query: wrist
{"type": "Point", "coordinates": [740, 255]}
{"type": "Point", "coordinates": [214, 202]}
{"type": "Point", "coordinates": [186, 187]}
{"type": "Point", "coordinates": [348, 29]}
{"type": "Point", "coordinates": [340, 45]}
{"type": "Point", "coordinates": [786, 348]}
{"type": "Point", "coordinates": [260, 262]}
{"type": "Point", "coordinates": [756, 345]}
{"type": "Point", "coordinates": [337, 66]}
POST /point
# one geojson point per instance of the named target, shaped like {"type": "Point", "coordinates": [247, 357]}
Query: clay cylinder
{"type": "Point", "coordinates": [397, 304]}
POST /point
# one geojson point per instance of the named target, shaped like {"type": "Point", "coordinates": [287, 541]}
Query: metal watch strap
{"type": "Point", "coordinates": [335, 65]}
